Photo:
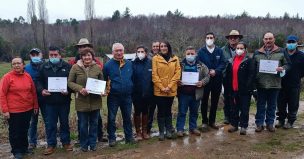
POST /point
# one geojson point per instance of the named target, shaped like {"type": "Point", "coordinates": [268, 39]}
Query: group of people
{"type": "Point", "coordinates": [152, 80]}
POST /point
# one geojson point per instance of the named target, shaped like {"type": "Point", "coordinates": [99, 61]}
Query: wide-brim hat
{"type": "Point", "coordinates": [83, 41]}
{"type": "Point", "coordinates": [234, 33]}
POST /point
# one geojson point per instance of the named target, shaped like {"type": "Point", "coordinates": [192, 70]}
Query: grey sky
{"type": "Point", "coordinates": [104, 8]}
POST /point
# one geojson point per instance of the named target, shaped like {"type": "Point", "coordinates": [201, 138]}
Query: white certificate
{"type": "Point", "coordinates": [57, 84]}
{"type": "Point", "coordinates": [95, 86]}
{"type": "Point", "coordinates": [190, 78]}
{"type": "Point", "coordinates": [268, 66]}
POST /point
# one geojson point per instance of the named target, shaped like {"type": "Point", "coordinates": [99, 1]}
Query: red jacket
{"type": "Point", "coordinates": [17, 93]}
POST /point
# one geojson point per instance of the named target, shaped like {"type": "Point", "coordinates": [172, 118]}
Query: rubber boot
{"type": "Point", "coordinates": [145, 134]}
{"type": "Point", "coordinates": [161, 127]}
{"type": "Point", "coordinates": [168, 124]}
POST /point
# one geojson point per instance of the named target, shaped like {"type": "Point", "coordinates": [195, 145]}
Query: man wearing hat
{"type": "Point", "coordinates": [36, 60]}
{"type": "Point", "coordinates": [83, 44]}
{"type": "Point", "coordinates": [233, 38]}
{"type": "Point", "coordinates": [288, 100]}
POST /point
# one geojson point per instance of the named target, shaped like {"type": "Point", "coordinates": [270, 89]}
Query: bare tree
{"type": "Point", "coordinates": [89, 12]}
{"type": "Point", "coordinates": [32, 18]}
{"type": "Point", "coordinates": [43, 18]}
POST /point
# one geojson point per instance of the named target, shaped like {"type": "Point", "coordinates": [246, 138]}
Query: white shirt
{"type": "Point", "coordinates": [210, 49]}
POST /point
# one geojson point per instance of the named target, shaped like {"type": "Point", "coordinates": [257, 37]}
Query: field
{"type": "Point", "coordinates": [282, 144]}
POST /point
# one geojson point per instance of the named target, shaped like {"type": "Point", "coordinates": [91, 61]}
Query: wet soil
{"type": "Point", "coordinates": [213, 144]}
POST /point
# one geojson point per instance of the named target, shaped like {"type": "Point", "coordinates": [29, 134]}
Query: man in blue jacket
{"type": "Point", "coordinates": [118, 74]}
{"type": "Point", "coordinates": [33, 69]}
{"type": "Point", "coordinates": [212, 56]}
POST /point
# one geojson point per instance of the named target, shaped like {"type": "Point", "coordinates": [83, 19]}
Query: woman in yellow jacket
{"type": "Point", "coordinates": [166, 73]}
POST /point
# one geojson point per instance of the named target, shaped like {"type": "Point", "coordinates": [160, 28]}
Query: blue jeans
{"type": "Point", "coordinates": [185, 102]}
{"type": "Point", "coordinates": [32, 133]}
{"type": "Point", "coordinates": [88, 128]}
{"type": "Point", "coordinates": [53, 113]}
{"type": "Point", "coordinates": [125, 104]}
{"type": "Point", "coordinates": [266, 105]}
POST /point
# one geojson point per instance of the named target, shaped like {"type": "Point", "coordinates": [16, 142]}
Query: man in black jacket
{"type": "Point", "coordinates": [288, 100]}
{"type": "Point", "coordinates": [57, 104]}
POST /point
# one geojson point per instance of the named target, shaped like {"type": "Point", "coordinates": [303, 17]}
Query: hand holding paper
{"type": "Point", "coordinates": [95, 86]}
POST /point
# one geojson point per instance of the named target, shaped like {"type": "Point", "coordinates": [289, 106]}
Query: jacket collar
{"type": "Point", "coordinates": [274, 49]}
{"type": "Point", "coordinates": [80, 63]}
{"type": "Point", "coordinates": [161, 59]}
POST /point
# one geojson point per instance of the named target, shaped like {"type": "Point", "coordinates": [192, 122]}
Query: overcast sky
{"type": "Point", "coordinates": [61, 9]}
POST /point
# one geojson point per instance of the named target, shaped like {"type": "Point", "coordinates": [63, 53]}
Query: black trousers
{"type": "Point", "coordinates": [18, 128]}
{"type": "Point", "coordinates": [240, 109]}
{"type": "Point", "coordinates": [151, 111]}
{"type": "Point", "coordinates": [164, 106]}
{"type": "Point", "coordinates": [214, 87]}
{"type": "Point", "coordinates": [288, 104]}
{"type": "Point", "coordinates": [141, 106]}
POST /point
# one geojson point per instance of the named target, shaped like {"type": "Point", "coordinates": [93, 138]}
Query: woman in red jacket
{"type": "Point", "coordinates": [18, 101]}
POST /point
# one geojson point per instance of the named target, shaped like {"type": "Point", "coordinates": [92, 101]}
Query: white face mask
{"type": "Point", "coordinates": [141, 56]}
{"type": "Point", "coordinates": [239, 51]}
{"type": "Point", "coordinates": [209, 42]}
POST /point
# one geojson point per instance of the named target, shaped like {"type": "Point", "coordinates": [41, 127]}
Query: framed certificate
{"type": "Point", "coordinates": [190, 78]}
{"type": "Point", "coordinates": [268, 66]}
{"type": "Point", "coordinates": [57, 84]}
{"type": "Point", "coordinates": [95, 86]}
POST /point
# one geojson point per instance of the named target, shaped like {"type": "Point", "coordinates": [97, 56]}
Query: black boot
{"type": "Point", "coordinates": [161, 127]}
{"type": "Point", "coordinates": [169, 128]}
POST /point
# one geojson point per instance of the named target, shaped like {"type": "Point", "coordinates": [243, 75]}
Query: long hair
{"type": "Point", "coordinates": [169, 47]}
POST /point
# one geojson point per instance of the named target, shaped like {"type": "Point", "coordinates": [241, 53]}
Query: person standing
{"type": "Point", "coordinates": [142, 91]}
{"type": "Point", "coordinates": [189, 95]}
{"type": "Point", "coordinates": [81, 45]}
{"type": "Point", "coordinates": [57, 104]}
{"type": "Point", "coordinates": [240, 76]}
{"type": "Point", "coordinates": [87, 105]}
{"type": "Point", "coordinates": [152, 107]}
{"type": "Point", "coordinates": [268, 84]}
{"type": "Point", "coordinates": [229, 52]}
{"type": "Point", "coordinates": [118, 74]}
{"type": "Point", "coordinates": [289, 95]}
{"type": "Point", "coordinates": [18, 100]}
{"type": "Point", "coordinates": [213, 57]}
{"type": "Point", "coordinates": [32, 68]}
{"type": "Point", "coordinates": [166, 73]}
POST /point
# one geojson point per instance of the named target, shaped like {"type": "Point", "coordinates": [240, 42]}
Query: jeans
{"type": "Point", "coordinates": [185, 102]}
{"type": "Point", "coordinates": [240, 109]}
{"type": "Point", "coordinates": [288, 100]}
{"type": "Point", "coordinates": [18, 127]}
{"type": "Point", "coordinates": [53, 113]}
{"type": "Point", "coordinates": [88, 128]}
{"type": "Point", "coordinates": [214, 87]}
{"type": "Point", "coordinates": [124, 102]}
{"type": "Point", "coordinates": [99, 127]}
{"type": "Point", "coordinates": [266, 105]}
{"type": "Point", "coordinates": [32, 133]}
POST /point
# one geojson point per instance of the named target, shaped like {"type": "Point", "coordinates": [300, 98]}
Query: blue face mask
{"type": "Point", "coordinates": [190, 58]}
{"type": "Point", "coordinates": [54, 60]}
{"type": "Point", "coordinates": [36, 59]}
{"type": "Point", "coordinates": [291, 46]}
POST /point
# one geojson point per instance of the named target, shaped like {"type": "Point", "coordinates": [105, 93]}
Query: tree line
{"type": "Point", "coordinates": [18, 36]}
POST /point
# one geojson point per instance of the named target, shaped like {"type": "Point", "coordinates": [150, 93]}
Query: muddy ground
{"type": "Point", "coordinates": [213, 144]}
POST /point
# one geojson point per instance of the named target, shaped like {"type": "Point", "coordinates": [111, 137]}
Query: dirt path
{"type": "Point", "coordinates": [214, 144]}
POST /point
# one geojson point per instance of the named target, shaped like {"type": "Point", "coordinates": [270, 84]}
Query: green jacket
{"type": "Point", "coordinates": [266, 80]}
{"type": "Point", "coordinates": [77, 80]}
{"type": "Point", "coordinates": [228, 54]}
